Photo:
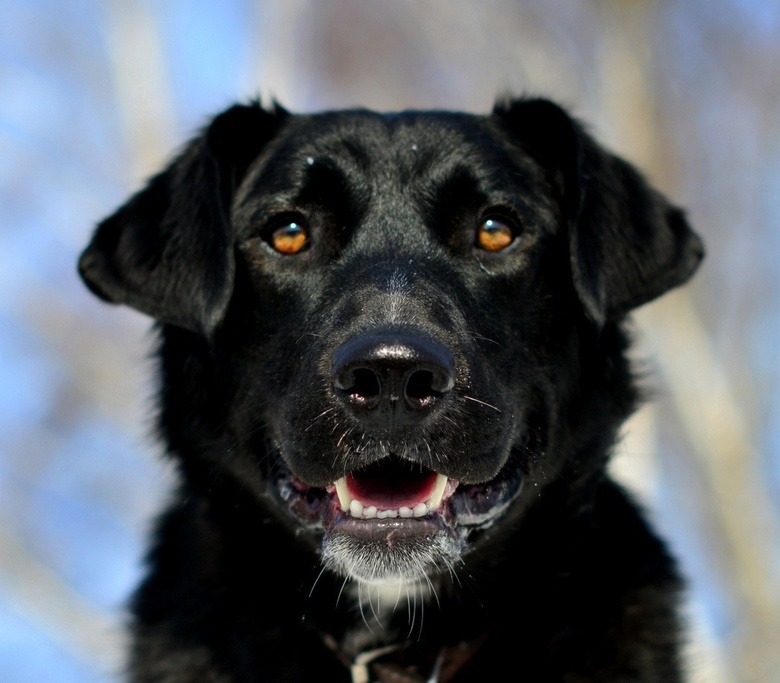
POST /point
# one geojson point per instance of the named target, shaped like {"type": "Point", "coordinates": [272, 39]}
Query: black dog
{"type": "Point", "coordinates": [393, 368]}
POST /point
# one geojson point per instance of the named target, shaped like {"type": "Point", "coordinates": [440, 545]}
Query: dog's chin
{"type": "Point", "coordinates": [394, 522]}
{"type": "Point", "coordinates": [397, 552]}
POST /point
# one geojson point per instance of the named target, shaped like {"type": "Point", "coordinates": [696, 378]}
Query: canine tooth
{"type": "Point", "coordinates": [420, 509]}
{"type": "Point", "coordinates": [341, 491]}
{"type": "Point", "coordinates": [356, 508]}
{"type": "Point", "coordinates": [404, 511]}
{"type": "Point", "coordinates": [370, 512]}
{"type": "Point", "coordinates": [438, 492]}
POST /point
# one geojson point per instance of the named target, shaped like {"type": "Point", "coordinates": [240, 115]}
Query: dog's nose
{"type": "Point", "coordinates": [395, 380]}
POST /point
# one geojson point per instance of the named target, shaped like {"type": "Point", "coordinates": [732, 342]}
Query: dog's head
{"type": "Point", "coordinates": [394, 330]}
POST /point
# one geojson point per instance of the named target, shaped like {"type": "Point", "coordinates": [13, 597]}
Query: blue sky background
{"type": "Point", "coordinates": [94, 96]}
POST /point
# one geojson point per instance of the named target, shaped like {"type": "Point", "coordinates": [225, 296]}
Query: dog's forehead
{"type": "Point", "coordinates": [390, 151]}
{"type": "Point", "coordinates": [383, 136]}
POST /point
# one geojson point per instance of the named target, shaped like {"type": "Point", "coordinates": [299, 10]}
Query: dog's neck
{"type": "Point", "coordinates": [386, 613]}
{"type": "Point", "coordinates": [385, 642]}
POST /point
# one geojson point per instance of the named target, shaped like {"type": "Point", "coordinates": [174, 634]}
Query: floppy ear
{"type": "Point", "coordinates": [168, 251]}
{"type": "Point", "coordinates": [628, 244]}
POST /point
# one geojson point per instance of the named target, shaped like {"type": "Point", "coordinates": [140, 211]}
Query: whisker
{"type": "Point", "coordinates": [432, 589]}
{"type": "Point", "coordinates": [487, 405]}
{"type": "Point", "coordinates": [362, 611]}
{"type": "Point", "coordinates": [371, 605]}
{"type": "Point", "coordinates": [454, 576]}
{"type": "Point", "coordinates": [412, 615]}
{"type": "Point", "coordinates": [308, 334]}
{"type": "Point", "coordinates": [479, 337]}
{"type": "Point", "coordinates": [398, 597]}
{"type": "Point", "coordinates": [344, 436]}
{"type": "Point", "coordinates": [314, 585]}
{"type": "Point", "coordinates": [320, 416]}
{"type": "Point", "coordinates": [341, 590]}
{"type": "Point", "coordinates": [422, 615]}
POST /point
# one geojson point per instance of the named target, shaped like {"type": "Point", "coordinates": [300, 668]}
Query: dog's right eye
{"type": "Point", "coordinates": [495, 233]}
{"type": "Point", "coordinates": [289, 235]}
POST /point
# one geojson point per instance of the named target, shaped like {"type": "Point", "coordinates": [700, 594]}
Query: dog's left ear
{"type": "Point", "coordinates": [168, 251]}
{"type": "Point", "coordinates": [628, 244]}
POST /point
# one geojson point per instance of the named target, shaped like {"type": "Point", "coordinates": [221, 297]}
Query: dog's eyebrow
{"type": "Point", "coordinates": [357, 153]}
{"type": "Point", "coordinates": [309, 179]}
{"type": "Point", "coordinates": [329, 183]}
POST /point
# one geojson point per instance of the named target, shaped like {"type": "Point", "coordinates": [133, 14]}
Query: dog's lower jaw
{"type": "Point", "coordinates": [396, 559]}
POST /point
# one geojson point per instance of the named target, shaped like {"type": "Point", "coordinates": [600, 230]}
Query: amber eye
{"type": "Point", "coordinates": [495, 234]}
{"type": "Point", "coordinates": [291, 237]}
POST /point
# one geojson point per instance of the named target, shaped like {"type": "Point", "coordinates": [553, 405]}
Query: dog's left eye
{"type": "Point", "coordinates": [290, 236]}
{"type": "Point", "coordinates": [495, 234]}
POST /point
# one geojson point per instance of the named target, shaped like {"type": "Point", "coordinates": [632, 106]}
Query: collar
{"type": "Point", "coordinates": [408, 662]}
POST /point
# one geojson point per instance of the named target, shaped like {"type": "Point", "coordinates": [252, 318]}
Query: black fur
{"type": "Point", "coordinates": [282, 372]}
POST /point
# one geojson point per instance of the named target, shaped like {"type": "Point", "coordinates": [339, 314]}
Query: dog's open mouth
{"type": "Point", "coordinates": [394, 489]}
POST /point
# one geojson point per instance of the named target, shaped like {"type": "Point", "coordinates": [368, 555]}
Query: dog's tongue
{"type": "Point", "coordinates": [388, 489]}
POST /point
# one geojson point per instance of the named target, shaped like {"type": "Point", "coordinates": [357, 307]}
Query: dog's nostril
{"type": "Point", "coordinates": [423, 386]}
{"type": "Point", "coordinates": [419, 386]}
{"type": "Point", "coordinates": [362, 383]}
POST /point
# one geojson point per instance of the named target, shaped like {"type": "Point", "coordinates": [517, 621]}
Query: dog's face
{"type": "Point", "coordinates": [381, 256]}
{"type": "Point", "coordinates": [405, 324]}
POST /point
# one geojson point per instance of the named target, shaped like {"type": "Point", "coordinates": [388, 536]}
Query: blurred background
{"type": "Point", "coordinates": [94, 96]}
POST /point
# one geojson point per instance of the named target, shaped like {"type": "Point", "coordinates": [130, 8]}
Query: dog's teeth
{"type": "Point", "coordinates": [341, 491]}
{"type": "Point", "coordinates": [420, 510]}
{"type": "Point", "coordinates": [358, 509]}
{"type": "Point", "coordinates": [438, 492]}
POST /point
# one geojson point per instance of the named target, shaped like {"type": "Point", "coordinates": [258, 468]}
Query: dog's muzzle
{"type": "Point", "coordinates": [394, 514]}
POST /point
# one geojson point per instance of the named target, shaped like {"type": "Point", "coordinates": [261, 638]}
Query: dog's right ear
{"type": "Point", "coordinates": [168, 252]}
